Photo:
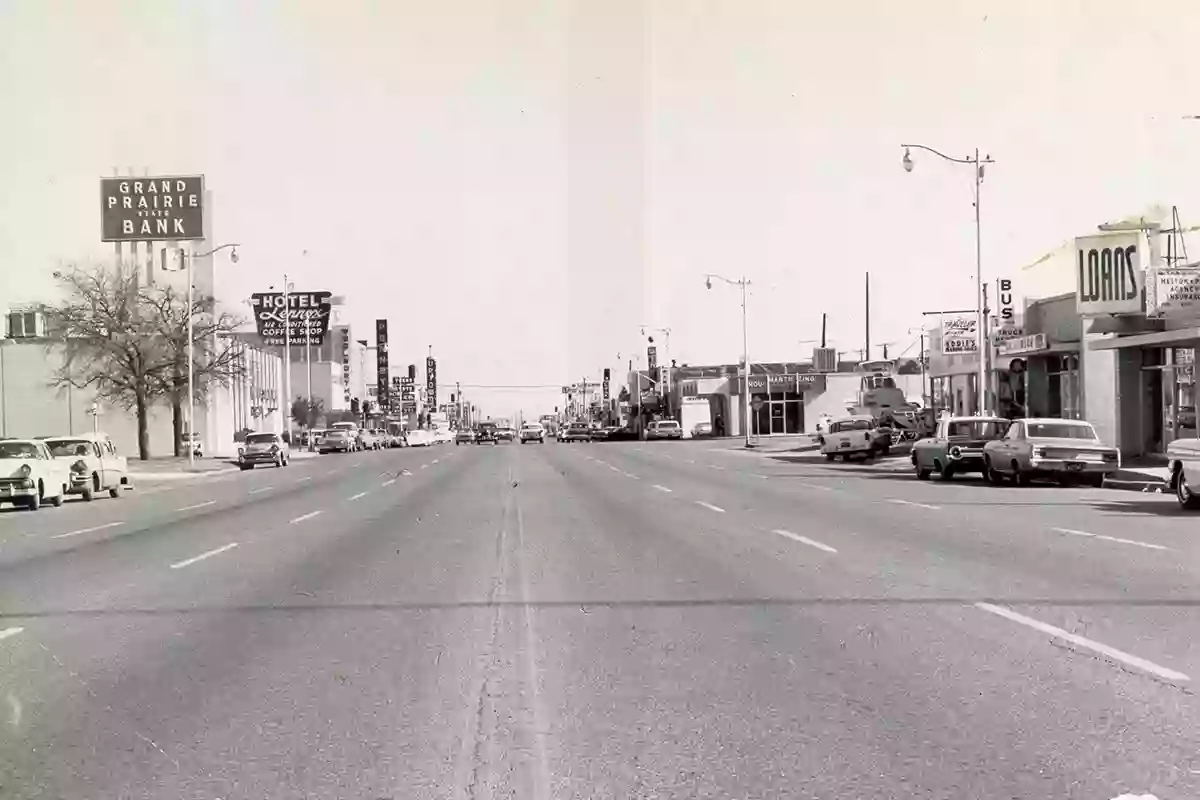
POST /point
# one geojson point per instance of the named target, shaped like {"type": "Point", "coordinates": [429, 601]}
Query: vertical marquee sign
{"type": "Point", "coordinates": [431, 382]}
{"type": "Point", "coordinates": [381, 363]}
{"type": "Point", "coordinates": [346, 365]}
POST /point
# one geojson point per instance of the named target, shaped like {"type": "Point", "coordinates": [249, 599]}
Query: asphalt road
{"type": "Point", "coordinates": [608, 620]}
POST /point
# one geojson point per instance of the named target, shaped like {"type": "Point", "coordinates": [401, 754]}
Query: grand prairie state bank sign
{"type": "Point", "coordinates": [162, 209]}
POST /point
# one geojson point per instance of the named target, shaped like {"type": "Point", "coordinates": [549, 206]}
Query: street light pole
{"type": "Point", "coordinates": [977, 163]}
{"type": "Point", "coordinates": [287, 359]}
{"type": "Point", "coordinates": [743, 284]}
{"type": "Point", "coordinates": [191, 344]}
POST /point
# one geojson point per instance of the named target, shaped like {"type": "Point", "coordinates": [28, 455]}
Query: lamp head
{"type": "Point", "coordinates": [907, 161]}
{"type": "Point", "coordinates": [708, 283]}
{"type": "Point", "coordinates": [233, 256]}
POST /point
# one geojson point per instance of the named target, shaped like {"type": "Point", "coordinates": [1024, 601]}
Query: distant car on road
{"type": "Point", "coordinates": [533, 432]}
{"type": "Point", "coordinates": [702, 429]}
{"type": "Point", "coordinates": [664, 429]}
{"type": "Point", "coordinates": [338, 441]}
{"type": "Point", "coordinates": [857, 434]}
{"type": "Point", "coordinates": [577, 432]}
{"type": "Point", "coordinates": [486, 434]}
{"type": "Point", "coordinates": [506, 434]}
{"type": "Point", "coordinates": [93, 462]}
{"type": "Point", "coordinates": [464, 436]}
{"type": "Point", "coordinates": [264, 448]}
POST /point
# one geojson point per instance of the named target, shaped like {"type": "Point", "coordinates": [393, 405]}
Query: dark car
{"type": "Point", "coordinates": [957, 447]}
{"type": "Point", "coordinates": [506, 434]}
{"type": "Point", "coordinates": [486, 434]}
{"type": "Point", "coordinates": [600, 434]}
{"type": "Point", "coordinates": [578, 432]}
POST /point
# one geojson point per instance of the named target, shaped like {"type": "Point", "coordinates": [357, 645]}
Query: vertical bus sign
{"type": "Point", "coordinates": [381, 363]}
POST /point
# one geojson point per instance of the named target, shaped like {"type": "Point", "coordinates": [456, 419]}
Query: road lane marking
{"type": "Point", "coordinates": [260, 489]}
{"type": "Point", "coordinates": [614, 469]}
{"type": "Point", "coordinates": [87, 530]}
{"type": "Point", "coordinates": [816, 486]}
{"type": "Point", "coordinates": [305, 478]}
{"type": "Point", "coordinates": [1116, 539]}
{"type": "Point", "coordinates": [710, 506]}
{"type": "Point", "coordinates": [1080, 641]}
{"type": "Point", "coordinates": [662, 488]}
{"type": "Point", "coordinates": [631, 475]}
{"type": "Point", "coordinates": [202, 556]}
{"type": "Point", "coordinates": [691, 461]}
{"type": "Point", "coordinates": [7, 632]}
{"type": "Point", "coordinates": [436, 460]}
{"type": "Point", "coordinates": [764, 477]}
{"type": "Point", "coordinates": [197, 505]}
{"type": "Point", "coordinates": [714, 466]}
{"type": "Point", "coordinates": [303, 517]}
{"type": "Point", "coordinates": [918, 505]}
{"type": "Point", "coordinates": [357, 496]}
{"type": "Point", "coordinates": [389, 482]}
{"type": "Point", "coordinates": [805, 540]}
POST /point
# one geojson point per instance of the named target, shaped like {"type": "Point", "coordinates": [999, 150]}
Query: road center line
{"type": "Point", "coordinates": [631, 475]}
{"type": "Point", "coordinates": [202, 556]}
{"type": "Point", "coordinates": [305, 478]}
{"type": "Point", "coordinates": [7, 632]}
{"type": "Point", "coordinates": [197, 505]}
{"type": "Point", "coordinates": [357, 496]}
{"type": "Point", "coordinates": [260, 489]}
{"type": "Point", "coordinates": [661, 488]}
{"type": "Point", "coordinates": [710, 506]}
{"type": "Point", "coordinates": [436, 460]}
{"type": "Point", "coordinates": [714, 466]}
{"type": "Point", "coordinates": [1116, 539]}
{"type": "Point", "coordinates": [389, 482]}
{"type": "Point", "coordinates": [805, 540]}
{"type": "Point", "coordinates": [911, 503]}
{"type": "Point", "coordinates": [424, 466]}
{"type": "Point", "coordinates": [816, 486]}
{"type": "Point", "coordinates": [1080, 641]}
{"type": "Point", "coordinates": [87, 530]}
{"type": "Point", "coordinates": [303, 517]}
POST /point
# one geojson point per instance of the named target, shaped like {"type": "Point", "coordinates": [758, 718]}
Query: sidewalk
{"type": "Point", "coordinates": [171, 468]}
{"type": "Point", "coordinates": [783, 443]}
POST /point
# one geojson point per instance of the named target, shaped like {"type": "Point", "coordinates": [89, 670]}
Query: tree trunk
{"type": "Point", "coordinates": [177, 425]}
{"type": "Point", "coordinates": [142, 407]}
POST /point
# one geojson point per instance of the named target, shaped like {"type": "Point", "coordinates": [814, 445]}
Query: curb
{"type": "Point", "coordinates": [150, 477]}
{"type": "Point", "coordinates": [1151, 486]}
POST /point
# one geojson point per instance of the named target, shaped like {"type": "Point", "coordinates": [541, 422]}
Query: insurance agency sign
{"type": "Point", "coordinates": [159, 209]}
{"type": "Point", "coordinates": [1110, 275]}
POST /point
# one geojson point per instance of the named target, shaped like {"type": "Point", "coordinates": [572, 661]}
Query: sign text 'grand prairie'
{"type": "Point", "coordinates": [161, 209]}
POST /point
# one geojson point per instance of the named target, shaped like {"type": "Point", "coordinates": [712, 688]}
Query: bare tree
{"type": "Point", "coordinates": [214, 351]}
{"type": "Point", "coordinates": [307, 411]}
{"type": "Point", "coordinates": [106, 342]}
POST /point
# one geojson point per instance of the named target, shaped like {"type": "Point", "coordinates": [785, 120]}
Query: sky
{"type": "Point", "coordinates": [522, 184]}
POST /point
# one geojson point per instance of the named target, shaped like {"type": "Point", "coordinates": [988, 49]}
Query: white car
{"type": "Point", "coordinates": [533, 432]}
{"type": "Point", "coordinates": [93, 464]}
{"type": "Point", "coordinates": [30, 476]}
{"type": "Point", "coordinates": [420, 438]}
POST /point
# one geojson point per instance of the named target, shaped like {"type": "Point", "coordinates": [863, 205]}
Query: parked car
{"type": "Point", "coordinates": [93, 463]}
{"type": "Point", "coordinates": [533, 432]}
{"type": "Point", "coordinates": [264, 448]}
{"type": "Point", "coordinates": [506, 435]}
{"type": "Point", "coordinates": [956, 447]}
{"type": "Point", "coordinates": [577, 432]}
{"type": "Point", "coordinates": [368, 439]}
{"type": "Point", "coordinates": [664, 429]}
{"type": "Point", "coordinates": [338, 441]}
{"type": "Point", "coordinates": [486, 434]}
{"type": "Point", "coordinates": [464, 436]}
{"type": "Point", "coordinates": [599, 433]}
{"type": "Point", "coordinates": [702, 429]}
{"type": "Point", "coordinates": [420, 438]}
{"type": "Point", "coordinates": [30, 476]}
{"type": "Point", "coordinates": [857, 434]}
{"type": "Point", "coordinates": [443, 436]}
{"type": "Point", "coordinates": [1067, 450]}
{"type": "Point", "coordinates": [1183, 457]}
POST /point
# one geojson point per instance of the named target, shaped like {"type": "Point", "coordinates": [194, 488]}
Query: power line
{"type": "Point", "coordinates": [517, 386]}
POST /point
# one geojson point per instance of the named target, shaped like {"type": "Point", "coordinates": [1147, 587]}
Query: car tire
{"type": "Point", "coordinates": [59, 498]}
{"type": "Point", "coordinates": [115, 492]}
{"type": "Point", "coordinates": [1020, 477]}
{"type": "Point", "coordinates": [246, 466]}
{"type": "Point", "coordinates": [89, 491]}
{"type": "Point", "coordinates": [35, 500]}
{"type": "Point", "coordinates": [1188, 500]}
{"type": "Point", "coordinates": [830, 456]}
{"type": "Point", "coordinates": [991, 474]}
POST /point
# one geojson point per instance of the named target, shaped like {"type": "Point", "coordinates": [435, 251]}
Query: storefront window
{"type": "Point", "coordinates": [1063, 387]}
{"type": "Point", "coordinates": [1184, 421]}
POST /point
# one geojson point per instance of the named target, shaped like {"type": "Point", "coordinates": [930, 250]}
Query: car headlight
{"type": "Point", "coordinates": [1038, 452]}
{"type": "Point", "coordinates": [955, 452]}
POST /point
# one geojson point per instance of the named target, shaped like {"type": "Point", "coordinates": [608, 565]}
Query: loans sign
{"type": "Point", "coordinates": [1110, 278]}
{"type": "Point", "coordinates": [163, 209]}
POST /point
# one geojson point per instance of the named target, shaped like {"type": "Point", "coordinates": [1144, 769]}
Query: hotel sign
{"type": "Point", "coordinates": [163, 209]}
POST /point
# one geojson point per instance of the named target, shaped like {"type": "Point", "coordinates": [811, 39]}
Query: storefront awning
{"type": "Point", "coordinates": [1155, 339]}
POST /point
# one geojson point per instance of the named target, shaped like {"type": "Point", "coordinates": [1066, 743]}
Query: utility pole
{"type": "Point", "coordinates": [867, 301]}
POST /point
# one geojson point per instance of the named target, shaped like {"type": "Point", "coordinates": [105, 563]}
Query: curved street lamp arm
{"type": "Point", "coordinates": [215, 250]}
{"type": "Point", "coordinates": [940, 154]}
{"type": "Point", "coordinates": [742, 282]}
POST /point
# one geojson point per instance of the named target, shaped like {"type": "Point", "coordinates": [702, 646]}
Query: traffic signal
{"type": "Point", "coordinates": [606, 373]}
{"type": "Point", "coordinates": [556, 409]}
{"type": "Point", "coordinates": [452, 397]}
{"type": "Point", "coordinates": [354, 409]}
{"type": "Point", "coordinates": [412, 372]}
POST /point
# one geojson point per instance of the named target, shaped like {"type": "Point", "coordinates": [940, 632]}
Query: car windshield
{"type": "Point", "coordinates": [69, 447]}
{"type": "Point", "coordinates": [978, 429]}
{"type": "Point", "coordinates": [261, 438]}
{"type": "Point", "coordinates": [1061, 430]}
{"type": "Point", "coordinates": [854, 425]}
{"type": "Point", "coordinates": [13, 449]}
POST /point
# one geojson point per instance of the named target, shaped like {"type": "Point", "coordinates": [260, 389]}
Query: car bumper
{"type": "Point", "coordinates": [1058, 466]}
{"type": "Point", "coordinates": [12, 492]}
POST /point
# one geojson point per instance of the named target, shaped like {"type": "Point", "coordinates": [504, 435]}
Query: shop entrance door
{"type": "Point", "coordinates": [777, 418]}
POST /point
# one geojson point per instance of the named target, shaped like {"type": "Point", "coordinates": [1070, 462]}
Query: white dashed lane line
{"type": "Point", "coordinates": [424, 466]}
{"type": "Point", "coordinates": [305, 478]}
{"type": "Point", "coordinates": [7, 632]}
{"type": "Point", "coordinates": [304, 517]}
{"type": "Point", "coordinates": [662, 488]}
{"type": "Point", "coordinates": [816, 486]}
{"type": "Point", "coordinates": [714, 466]}
{"type": "Point", "coordinates": [357, 496]}
{"type": "Point", "coordinates": [804, 540]}
{"type": "Point", "coordinates": [710, 506]}
{"type": "Point", "coordinates": [917, 505]}
{"type": "Point", "coordinates": [1116, 539]}
{"type": "Point", "coordinates": [194, 506]}
{"type": "Point", "coordinates": [204, 555]}
{"type": "Point", "coordinates": [1087, 644]}
{"type": "Point", "coordinates": [87, 530]}
{"type": "Point", "coordinates": [389, 482]}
